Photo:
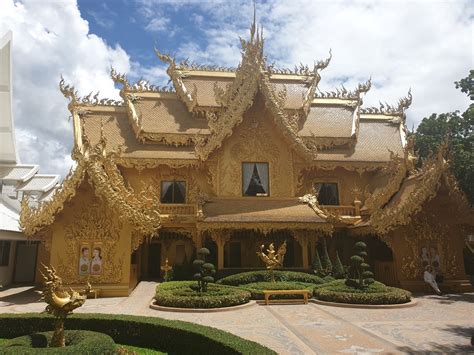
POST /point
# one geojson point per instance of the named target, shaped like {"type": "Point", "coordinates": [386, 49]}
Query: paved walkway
{"type": "Point", "coordinates": [440, 324]}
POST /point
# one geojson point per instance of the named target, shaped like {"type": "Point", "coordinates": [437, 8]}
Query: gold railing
{"type": "Point", "coordinates": [342, 210]}
{"type": "Point", "coordinates": [177, 208]}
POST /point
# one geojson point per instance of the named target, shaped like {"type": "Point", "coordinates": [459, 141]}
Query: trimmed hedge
{"type": "Point", "coordinates": [77, 342]}
{"type": "Point", "coordinates": [376, 293]}
{"type": "Point", "coordinates": [179, 294]}
{"type": "Point", "coordinates": [256, 288]}
{"type": "Point", "coordinates": [263, 275]}
{"type": "Point", "coordinates": [170, 336]}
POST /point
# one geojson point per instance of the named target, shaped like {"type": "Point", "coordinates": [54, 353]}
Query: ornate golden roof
{"type": "Point", "coordinates": [206, 103]}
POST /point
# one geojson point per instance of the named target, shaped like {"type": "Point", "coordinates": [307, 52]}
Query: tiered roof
{"type": "Point", "coordinates": [187, 123]}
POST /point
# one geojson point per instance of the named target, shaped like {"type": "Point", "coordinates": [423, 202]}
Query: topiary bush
{"type": "Point", "coordinates": [256, 288]}
{"type": "Point", "coordinates": [170, 336]}
{"type": "Point", "coordinates": [375, 293]}
{"type": "Point", "coordinates": [77, 342]}
{"type": "Point", "coordinates": [204, 271]}
{"type": "Point", "coordinates": [179, 294]}
{"type": "Point", "coordinates": [359, 275]}
{"type": "Point", "coordinates": [262, 275]}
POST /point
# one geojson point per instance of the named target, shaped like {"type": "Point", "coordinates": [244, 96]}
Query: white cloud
{"type": "Point", "coordinates": [50, 39]}
{"type": "Point", "coordinates": [157, 24]}
{"type": "Point", "coordinates": [425, 45]}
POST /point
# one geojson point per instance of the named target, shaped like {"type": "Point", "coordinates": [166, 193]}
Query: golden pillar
{"type": "Point", "coordinates": [303, 238]}
{"type": "Point", "coordinates": [220, 237]}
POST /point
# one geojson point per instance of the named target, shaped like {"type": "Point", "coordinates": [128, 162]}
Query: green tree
{"type": "Point", "coordinates": [325, 260]}
{"type": "Point", "coordinates": [458, 128]}
{"type": "Point", "coordinates": [338, 269]}
{"type": "Point", "coordinates": [359, 275]}
{"type": "Point", "coordinates": [205, 271]}
{"type": "Point", "coordinates": [317, 267]}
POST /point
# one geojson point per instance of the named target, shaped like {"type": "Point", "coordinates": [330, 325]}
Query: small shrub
{"type": "Point", "coordinates": [262, 275]}
{"type": "Point", "coordinates": [256, 288]}
{"type": "Point", "coordinates": [375, 293]}
{"type": "Point", "coordinates": [77, 342]}
{"type": "Point", "coordinates": [179, 294]}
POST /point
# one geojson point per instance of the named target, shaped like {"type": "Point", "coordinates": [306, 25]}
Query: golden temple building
{"type": "Point", "coordinates": [233, 158]}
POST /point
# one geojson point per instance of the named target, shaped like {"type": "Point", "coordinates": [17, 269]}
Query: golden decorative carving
{"type": "Point", "coordinates": [427, 181]}
{"type": "Point", "coordinates": [60, 302]}
{"type": "Point", "coordinates": [398, 168]}
{"type": "Point", "coordinates": [238, 97]}
{"type": "Point", "coordinates": [390, 110]}
{"type": "Point", "coordinates": [272, 260]}
{"type": "Point", "coordinates": [343, 93]}
{"type": "Point", "coordinates": [189, 98]}
{"type": "Point", "coordinates": [142, 164]}
{"type": "Point", "coordinates": [313, 83]}
{"type": "Point", "coordinates": [312, 201]}
{"type": "Point", "coordinates": [91, 224]}
{"type": "Point", "coordinates": [425, 231]}
{"type": "Point", "coordinates": [32, 220]}
{"type": "Point", "coordinates": [265, 227]}
{"type": "Point", "coordinates": [75, 100]}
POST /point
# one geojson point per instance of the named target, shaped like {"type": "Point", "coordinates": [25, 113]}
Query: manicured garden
{"type": "Point", "coordinates": [173, 337]}
{"type": "Point", "coordinates": [331, 281]}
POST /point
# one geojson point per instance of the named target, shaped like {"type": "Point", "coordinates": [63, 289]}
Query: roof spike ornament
{"type": "Point", "coordinates": [69, 93]}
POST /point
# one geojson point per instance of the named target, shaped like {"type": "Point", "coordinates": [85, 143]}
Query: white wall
{"type": "Point", "coordinates": [6, 272]}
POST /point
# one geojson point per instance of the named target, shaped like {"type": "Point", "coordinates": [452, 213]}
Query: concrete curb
{"type": "Point", "coordinates": [200, 310]}
{"type": "Point", "coordinates": [412, 303]}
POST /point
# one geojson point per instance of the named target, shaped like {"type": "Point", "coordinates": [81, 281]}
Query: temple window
{"type": "Point", "coordinates": [255, 179]}
{"type": "Point", "coordinates": [4, 252]}
{"type": "Point", "coordinates": [173, 191]}
{"type": "Point", "coordinates": [328, 193]}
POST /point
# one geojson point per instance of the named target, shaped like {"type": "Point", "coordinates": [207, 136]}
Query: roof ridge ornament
{"type": "Point", "coordinates": [189, 98]}
{"type": "Point", "coordinates": [391, 110]}
{"type": "Point", "coordinates": [75, 100]}
{"type": "Point", "coordinates": [314, 81]}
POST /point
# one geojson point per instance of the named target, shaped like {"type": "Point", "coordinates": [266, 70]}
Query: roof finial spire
{"type": "Point", "coordinates": [254, 23]}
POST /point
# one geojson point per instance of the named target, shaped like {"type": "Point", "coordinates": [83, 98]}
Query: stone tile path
{"type": "Point", "coordinates": [440, 324]}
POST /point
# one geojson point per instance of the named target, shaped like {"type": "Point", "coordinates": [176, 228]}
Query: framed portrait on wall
{"type": "Point", "coordinates": [84, 260]}
{"type": "Point", "coordinates": [97, 259]}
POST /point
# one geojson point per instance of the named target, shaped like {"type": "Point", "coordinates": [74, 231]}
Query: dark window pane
{"type": "Point", "coordinates": [173, 192]}
{"type": "Point", "coordinates": [327, 193]}
{"type": "Point", "coordinates": [4, 252]}
{"type": "Point", "coordinates": [255, 179]}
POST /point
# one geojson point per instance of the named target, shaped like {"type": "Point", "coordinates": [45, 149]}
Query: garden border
{"type": "Point", "coordinates": [412, 303]}
{"type": "Point", "coordinates": [200, 310]}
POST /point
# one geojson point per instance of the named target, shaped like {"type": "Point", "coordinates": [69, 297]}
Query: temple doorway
{"type": "Point", "coordinates": [381, 260]}
{"type": "Point", "coordinates": [154, 260]}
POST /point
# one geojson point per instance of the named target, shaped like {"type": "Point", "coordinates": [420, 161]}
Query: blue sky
{"type": "Point", "coordinates": [424, 45]}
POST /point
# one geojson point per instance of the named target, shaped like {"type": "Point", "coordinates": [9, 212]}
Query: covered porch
{"type": "Point", "coordinates": [234, 229]}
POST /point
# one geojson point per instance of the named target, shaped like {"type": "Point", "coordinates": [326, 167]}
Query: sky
{"type": "Point", "coordinates": [422, 45]}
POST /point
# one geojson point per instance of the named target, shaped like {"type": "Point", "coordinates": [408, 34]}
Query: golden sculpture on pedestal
{"type": "Point", "coordinates": [272, 259]}
{"type": "Point", "coordinates": [60, 302]}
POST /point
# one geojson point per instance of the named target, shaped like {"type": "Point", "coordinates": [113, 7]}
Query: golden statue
{"type": "Point", "coordinates": [166, 269]}
{"type": "Point", "coordinates": [60, 302]}
{"type": "Point", "coordinates": [272, 260]}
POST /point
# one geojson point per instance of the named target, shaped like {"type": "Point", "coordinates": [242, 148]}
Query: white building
{"type": "Point", "coordinates": [17, 254]}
